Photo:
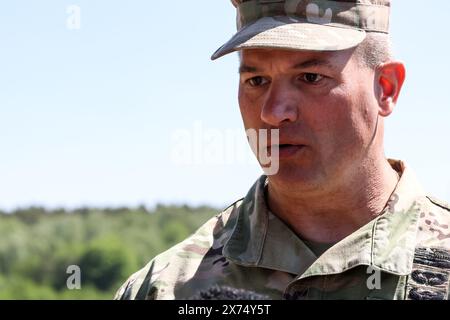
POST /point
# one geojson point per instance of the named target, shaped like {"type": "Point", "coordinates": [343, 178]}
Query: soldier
{"type": "Point", "coordinates": [337, 220]}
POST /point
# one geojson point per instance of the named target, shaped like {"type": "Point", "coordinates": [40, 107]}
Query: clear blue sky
{"type": "Point", "coordinates": [90, 116]}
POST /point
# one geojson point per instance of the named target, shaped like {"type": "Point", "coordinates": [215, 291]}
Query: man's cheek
{"type": "Point", "coordinates": [250, 118]}
{"type": "Point", "coordinates": [334, 138]}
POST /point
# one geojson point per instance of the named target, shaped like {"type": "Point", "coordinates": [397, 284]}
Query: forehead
{"type": "Point", "coordinates": [291, 58]}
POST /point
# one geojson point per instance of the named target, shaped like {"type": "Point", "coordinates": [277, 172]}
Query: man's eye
{"type": "Point", "coordinates": [311, 77]}
{"type": "Point", "coordinates": [257, 81]}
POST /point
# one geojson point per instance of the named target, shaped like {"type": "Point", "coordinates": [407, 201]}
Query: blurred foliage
{"type": "Point", "coordinates": [37, 246]}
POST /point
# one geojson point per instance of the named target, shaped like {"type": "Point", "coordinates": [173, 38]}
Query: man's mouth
{"type": "Point", "coordinates": [285, 150]}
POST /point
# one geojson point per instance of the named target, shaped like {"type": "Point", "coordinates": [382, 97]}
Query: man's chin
{"type": "Point", "coordinates": [298, 178]}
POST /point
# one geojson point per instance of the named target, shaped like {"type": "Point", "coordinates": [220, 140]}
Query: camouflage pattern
{"type": "Point", "coordinates": [372, 18]}
{"type": "Point", "coordinates": [247, 247]}
{"type": "Point", "coordinates": [305, 24]}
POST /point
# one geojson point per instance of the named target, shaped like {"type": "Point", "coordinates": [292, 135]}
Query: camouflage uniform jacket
{"type": "Point", "coordinates": [401, 254]}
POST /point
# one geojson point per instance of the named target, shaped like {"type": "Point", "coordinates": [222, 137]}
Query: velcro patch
{"type": "Point", "coordinates": [429, 279]}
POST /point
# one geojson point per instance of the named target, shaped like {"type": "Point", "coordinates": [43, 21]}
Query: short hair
{"type": "Point", "coordinates": [375, 50]}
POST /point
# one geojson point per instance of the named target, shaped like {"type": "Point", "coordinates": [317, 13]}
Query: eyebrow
{"type": "Point", "coordinates": [302, 65]}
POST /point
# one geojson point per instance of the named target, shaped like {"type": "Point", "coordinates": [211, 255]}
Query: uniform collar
{"type": "Point", "coordinates": [260, 239]}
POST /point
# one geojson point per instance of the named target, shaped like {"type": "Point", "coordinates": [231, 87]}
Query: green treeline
{"type": "Point", "coordinates": [37, 246]}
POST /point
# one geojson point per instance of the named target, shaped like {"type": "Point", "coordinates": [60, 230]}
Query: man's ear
{"type": "Point", "coordinates": [389, 78]}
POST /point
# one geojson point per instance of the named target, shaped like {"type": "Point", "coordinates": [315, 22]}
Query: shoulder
{"type": "Point", "coordinates": [433, 223]}
{"type": "Point", "coordinates": [432, 249]}
{"type": "Point", "coordinates": [431, 206]}
{"type": "Point", "coordinates": [434, 210]}
{"type": "Point", "coordinates": [439, 203]}
{"type": "Point", "coordinates": [182, 261]}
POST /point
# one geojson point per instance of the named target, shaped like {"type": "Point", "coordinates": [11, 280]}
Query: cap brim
{"type": "Point", "coordinates": [289, 33]}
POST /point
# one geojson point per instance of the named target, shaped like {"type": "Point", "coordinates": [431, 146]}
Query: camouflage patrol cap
{"type": "Point", "coordinates": [321, 25]}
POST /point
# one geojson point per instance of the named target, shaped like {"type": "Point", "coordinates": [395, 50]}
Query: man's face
{"type": "Point", "coordinates": [324, 105]}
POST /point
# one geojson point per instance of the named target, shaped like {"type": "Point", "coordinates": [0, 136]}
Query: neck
{"type": "Point", "coordinates": [330, 214]}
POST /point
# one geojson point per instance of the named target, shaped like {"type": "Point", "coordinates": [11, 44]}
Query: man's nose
{"type": "Point", "coordinates": [280, 105]}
